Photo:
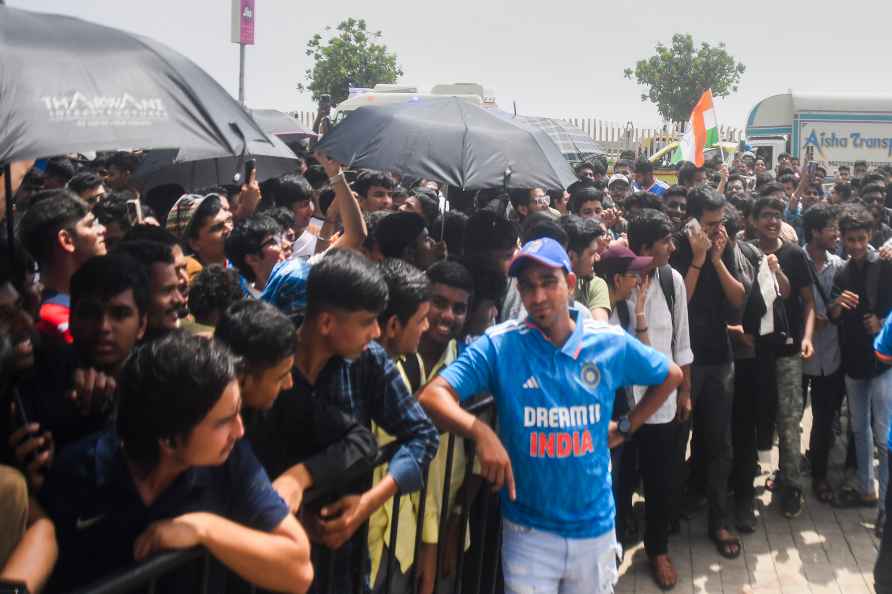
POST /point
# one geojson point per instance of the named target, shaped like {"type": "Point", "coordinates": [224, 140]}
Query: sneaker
{"type": "Point", "coordinates": [881, 522]}
{"type": "Point", "coordinates": [791, 502]}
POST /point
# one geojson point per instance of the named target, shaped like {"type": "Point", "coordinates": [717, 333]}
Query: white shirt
{"type": "Point", "coordinates": [659, 332]}
{"type": "Point", "coordinates": [305, 245]}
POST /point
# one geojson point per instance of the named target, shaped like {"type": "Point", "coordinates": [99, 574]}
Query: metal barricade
{"type": "Point", "coordinates": [145, 576]}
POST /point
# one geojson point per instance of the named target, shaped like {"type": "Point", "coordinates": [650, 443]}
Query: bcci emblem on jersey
{"type": "Point", "coordinates": [590, 375]}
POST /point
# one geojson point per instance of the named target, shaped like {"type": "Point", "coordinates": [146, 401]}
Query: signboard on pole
{"type": "Point", "coordinates": [243, 22]}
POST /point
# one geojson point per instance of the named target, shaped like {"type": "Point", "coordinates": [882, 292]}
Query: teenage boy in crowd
{"type": "Point", "coordinates": [712, 288]}
{"type": "Point", "coordinates": [146, 232]}
{"type": "Point", "coordinates": [822, 373]}
{"type": "Point", "coordinates": [789, 343]}
{"type": "Point", "coordinates": [676, 201]}
{"type": "Point", "coordinates": [127, 493]}
{"type": "Point", "coordinates": [583, 236]}
{"type": "Point", "coordinates": [862, 299]}
{"type": "Point", "coordinates": [60, 233]}
{"type": "Point", "coordinates": [72, 396]}
{"type": "Point", "coordinates": [255, 246]}
{"type": "Point", "coordinates": [375, 190]}
{"type": "Point", "coordinates": [338, 361]}
{"type": "Point", "coordinates": [405, 235]}
{"type": "Point", "coordinates": [300, 441]}
{"type": "Point", "coordinates": [553, 378]}
{"type": "Point", "coordinates": [166, 302]}
{"type": "Point", "coordinates": [662, 323]}
{"type": "Point", "coordinates": [586, 202]}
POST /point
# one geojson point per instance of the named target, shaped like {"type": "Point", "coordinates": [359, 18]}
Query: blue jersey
{"type": "Point", "coordinates": [554, 406]}
{"type": "Point", "coordinates": [883, 347]}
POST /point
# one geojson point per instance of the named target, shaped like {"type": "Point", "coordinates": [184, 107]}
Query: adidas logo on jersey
{"type": "Point", "coordinates": [531, 384]}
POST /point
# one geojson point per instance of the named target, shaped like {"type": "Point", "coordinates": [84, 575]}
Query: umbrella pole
{"type": "Point", "coordinates": [10, 206]}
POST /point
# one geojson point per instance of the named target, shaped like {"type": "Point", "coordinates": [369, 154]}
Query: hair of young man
{"type": "Point", "coordinates": [247, 239]}
{"type": "Point", "coordinates": [407, 288]}
{"type": "Point", "coordinates": [643, 166]}
{"type": "Point", "coordinates": [676, 190]}
{"type": "Point", "coordinates": [583, 166]}
{"type": "Point", "coordinates": [822, 169]}
{"type": "Point", "coordinates": [257, 333]}
{"type": "Point", "coordinates": [842, 168]}
{"type": "Point", "coordinates": [771, 188]}
{"type": "Point", "coordinates": [452, 274]}
{"type": "Point", "coordinates": [702, 199]}
{"type": "Point", "coordinates": [873, 177]}
{"type": "Point", "coordinates": [860, 163]}
{"type": "Point", "coordinates": [580, 232]}
{"type": "Point", "coordinates": [50, 212]}
{"type": "Point", "coordinates": [871, 188]}
{"type": "Point", "coordinates": [344, 280]}
{"type": "Point", "coordinates": [489, 283]}
{"type": "Point", "coordinates": [583, 195]}
{"type": "Point", "coordinates": [844, 189]}
{"type": "Point", "coordinates": [487, 231]}
{"type": "Point", "coordinates": [762, 180]}
{"type": "Point", "coordinates": [643, 199]}
{"type": "Point", "coordinates": [146, 232]}
{"type": "Point", "coordinates": [622, 163]}
{"type": "Point", "coordinates": [542, 224]}
{"type": "Point", "coordinates": [60, 168]}
{"type": "Point", "coordinates": [687, 173]}
{"type": "Point", "coordinates": [166, 388]}
{"type": "Point", "coordinates": [281, 215]}
{"type": "Point", "coordinates": [326, 198]}
{"type": "Point", "coordinates": [397, 232]}
{"type": "Point", "coordinates": [108, 276]}
{"type": "Point", "coordinates": [786, 171]}
{"type": "Point", "coordinates": [368, 178]}
{"type": "Point", "coordinates": [207, 210]}
{"type": "Point", "coordinates": [456, 225]}
{"type": "Point", "coordinates": [743, 202]}
{"type": "Point", "coordinates": [768, 201]}
{"type": "Point", "coordinates": [520, 197]}
{"type": "Point", "coordinates": [855, 217]}
{"type": "Point", "coordinates": [648, 227]}
{"type": "Point", "coordinates": [291, 189]}
{"type": "Point", "coordinates": [579, 184]}
{"type": "Point", "coordinates": [787, 179]}
{"type": "Point", "coordinates": [123, 160]}
{"type": "Point", "coordinates": [430, 206]}
{"type": "Point", "coordinates": [114, 210]}
{"type": "Point", "coordinates": [734, 177]}
{"type": "Point", "coordinates": [372, 219]}
{"type": "Point", "coordinates": [212, 291]}
{"type": "Point", "coordinates": [146, 253]}
{"type": "Point", "coordinates": [818, 216]}
{"type": "Point", "coordinates": [83, 181]}
{"type": "Point", "coordinates": [316, 176]}
{"type": "Point", "coordinates": [732, 220]}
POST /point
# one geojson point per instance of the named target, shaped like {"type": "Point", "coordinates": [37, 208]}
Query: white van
{"type": "Point", "coordinates": [388, 94]}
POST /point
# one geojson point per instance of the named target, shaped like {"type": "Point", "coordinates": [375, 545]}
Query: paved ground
{"type": "Point", "coordinates": [823, 550]}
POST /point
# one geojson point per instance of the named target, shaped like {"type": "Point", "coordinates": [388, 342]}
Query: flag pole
{"type": "Point", "coordinates": [721, 150]}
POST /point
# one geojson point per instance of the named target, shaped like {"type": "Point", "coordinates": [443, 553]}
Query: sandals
{"type": "Point", "coordinates": [850, 498]}
{"type": "Point", "coordinates": [663, 572]}
{"type": "Point", "coordinates": [728, 547]}
{"type": "Point", "coordinates": [823, 491]}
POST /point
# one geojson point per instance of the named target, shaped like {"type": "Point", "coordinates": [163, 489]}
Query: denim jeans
{"type": "Point", "coordinates": [535, 561]}
{"type": "Point", "coordinates": [870, 404]}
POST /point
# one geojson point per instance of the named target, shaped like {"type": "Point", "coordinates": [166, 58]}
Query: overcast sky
{"type": "Point", "coordinates": [554, 58]}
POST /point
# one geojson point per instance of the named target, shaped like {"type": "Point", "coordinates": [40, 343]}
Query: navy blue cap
{"type": "Point", "coordinates": [545, 251]}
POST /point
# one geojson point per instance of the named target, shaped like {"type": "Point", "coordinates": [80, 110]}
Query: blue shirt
{"type": "Point", "coordinates": [883, 346]}
{"type": "Point", "coordinates": [658, 188]}
{"type": "Point", "coordinates": [98, 513]}
{"type": "Point", "coordinates": [554, 406]}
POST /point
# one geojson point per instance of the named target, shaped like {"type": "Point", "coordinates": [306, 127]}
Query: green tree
{"type": "Point", "coordinates": [349, 56]}
{"type": "Point", "coordinates": [677, 75]}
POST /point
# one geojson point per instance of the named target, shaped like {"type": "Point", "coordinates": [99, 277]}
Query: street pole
{"type": "Point", "coordinates": [241, 74]}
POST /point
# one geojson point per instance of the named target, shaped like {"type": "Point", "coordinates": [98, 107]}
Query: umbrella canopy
{"type": "Point", "coordinates": [194, 169]}
{"type": "Point", "coordinates": [574, 143]}
{"type": "Point", "coordinates": [448, 140]}
{"type": "Point", "coordinates": [278, 123]}
{"type": "Point", "coordinates": [68, 85]}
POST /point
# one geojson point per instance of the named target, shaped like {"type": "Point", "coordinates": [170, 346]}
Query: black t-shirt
{"type": "Point", "coordinates": [794, 264]}
{"type": "Point", "coordinates": [708, 308]}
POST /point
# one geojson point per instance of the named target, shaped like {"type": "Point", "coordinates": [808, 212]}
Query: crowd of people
{"type": "Point", "coordinates": [179, 368]}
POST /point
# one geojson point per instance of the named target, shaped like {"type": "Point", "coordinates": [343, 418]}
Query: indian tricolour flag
{"type": "Point", "coordinates": [702, 131]}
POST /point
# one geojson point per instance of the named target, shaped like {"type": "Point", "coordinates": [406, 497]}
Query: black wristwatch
{"type": "Point", "coordinates": [624, 427]}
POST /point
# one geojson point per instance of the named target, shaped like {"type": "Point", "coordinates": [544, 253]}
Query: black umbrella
{"type": "Point", "coordinates": [278, 123]}
{"type": "Point", "coordinates": [68, 85]}
{"type": "Point", "coordinates": [196, 169]}
{"type": "Point", "coordinates": [448, 140]}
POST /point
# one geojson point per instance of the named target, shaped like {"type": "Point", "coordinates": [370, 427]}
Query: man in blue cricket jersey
{"type": "Point", "coordinates": [553, 376]}
{"type": "Point", "coordinates": [882, 572]}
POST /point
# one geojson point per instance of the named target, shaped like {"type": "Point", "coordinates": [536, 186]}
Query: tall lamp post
{"type": "Point", "coordinates": [242, 33]}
